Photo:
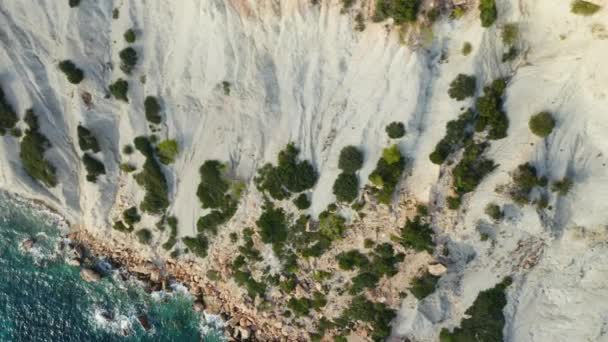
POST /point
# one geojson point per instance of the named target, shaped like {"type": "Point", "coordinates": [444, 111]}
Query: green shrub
{"type": "Point", "coordinates": [467, 48]}
{"type": "Point", "coordinates": [130, 36]}
{"type": "Point", "coordinates": [360, 22]}
{"type": "Point", "coordinates": [563, 186]}
{"type": "Point", "coordinates": [383, 261]}
{"type": "Point", "coordinates": [542, 124]}
{"type": "Point", "coordinates": [351, 159]}
{"type": "Point", "coordinates": [510, 55]}
{"type": "Point", "coordinates": [302, 202]}
{"type": "Point", "coordinates": [8, 118]}
{"type": "Point", "coordinates": [71, 71]}
{"type": "Point", "coordinates": [494, 211]}
{"type": "Point", "coordinates": [299, 306]}
{"type": "Point", "coordinates": [424, 285]}
{"type": "Point", "coordinates": [347, 3]}
{"type": "Point", "coordinates": [172, 222]}
{"type": "Point", "coordinates": [86, 140]}
{"type": "Point", "coordinates": [417, 235]}
{"type": "Point", "coordinates": [352, 259]}
{"type": "Point", "coordinates": [401, 11]}
{"type": "Point", "coordinates": [289, 176]}
{"type": "Point", "coordinates": [128, 58]}
{"type": "Point", "coordinates": [115, 13]}
{"type": "Point", "coordinates": [510, 33]}
{"type": "Point", "coordinates": [368, 243]}
{"type": "Point", "coordinates": [197, 245]}
{"type": "Point", "coordinates": [273, 225]}
{"type": "Point", "coordinates": [131, 216]}
{"type": "Point", "coordinates": [472, 168]}
{"type": "Point", "coordinates": [127, 167]}
{"type": "Point", "coordinates": [457, 131]}
{"type": "Point", "coordinates": [454, 202]}
{"type": "Point", "coordinates": [318, 300]}
{"type": "Point", "coordinates": [490, 110]}
{"type": "Point", "coordinates": [119, 89]}
{"type": "Point", "coordinates": [387, 174]}
{"type": "Point", "coordinates": [331, 225]}
{"type": "Point", "coordinates": [378, 315]}
{"type": "Point", "coordinates": [585, 8]}
{"type": "Point", "coordinates": [167, 150]}
{"type": "Point", "coordinates": [346, 187]}
{"type": "Point", "coordinates": [152, 108]}
{"type": "Point", "coordinates": [395, 130]}
{"type": "Point", "coordinates": [217, 217]}
{"type": "Point", "coordinates": [488, 12]}
{"type": "Point", "coordinates": [74, 3]}
{"type": "Point", "coordinates": [524, 180]}
{"type": "Point", "coordinates": [362, 281]}
{"type": "Point", "coordinates": [16, 132]}
{"type": "Point", "coordinates": [152, 179]}
{"type": "Point", "coordinates": [213, 187]}
{"type": "Point", "coordinates": [33, 146]}
{"type": "Point", "coordinates": [144, 236]}
{"type": "Point", "coordinates": [121, 227]}
{"type": "Point", "coordinates": [485, 319]}
{"type": "Point", "coordinates": [462, 86]}
{"type": "Point", "coordinates": [94, 167]}
{"type": "Point", "coordinates": [127, 149]}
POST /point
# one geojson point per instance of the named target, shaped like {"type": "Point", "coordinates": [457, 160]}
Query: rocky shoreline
{"type": "Point", "coordinates": [242, 322]}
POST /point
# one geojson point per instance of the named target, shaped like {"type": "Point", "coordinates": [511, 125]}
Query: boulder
{"type": "Point", "coordinates": [27, 244]}
{"type": "Point", "coordinates": [437, 269]}
{"type": "Point", "coordinates": [89, 275]}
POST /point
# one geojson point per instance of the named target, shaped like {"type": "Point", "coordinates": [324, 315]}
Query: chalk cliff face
{"type": "Point", "coordinates": [237, 80]}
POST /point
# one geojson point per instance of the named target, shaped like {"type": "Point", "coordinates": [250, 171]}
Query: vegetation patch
{"type": "Point", "coordinates": [152, 108]}
{"type": "Point", "coordinates": [402, 11]}
{"type": "Point", "coordinates": [130, 36]}
{"type": "Point", "coordinates": [131, 216]}
{"type": "Point", "coordinates": [525, 178]}
{"type": "Point", "coordinates": [152, 179]}
{"type": "Point", "coordinates": [214, 193]}
{"type": "Point", "coordinates": [510, 33]}
{"type": "Point", "coordinates": [8, 118]}
{"type": "Point", "coordinates": [172, 222]}
{"type": "Point", "coordinates": [387, 174]}
{"type": "Point", "coordinates": [582, 7]}
{"type": "Point", "coordinates": [395, 130]}
{"type": "Point", "coordinates": [144, 236]}
{"type": "Point", "coordinates": [562, 186]}
{"type": "Point", "coordinates": [462, 86]}
{"type": "Point", "coordinates": [351, 159]}
{"type": "Point", "coordinates": [457, 132]}
{"type": "Point", "coordinates": [485, 320]}
{"type": "Point", "coordinates": [424, 285]}
{"type": "Point", "coordinates": [494, 211]}
{"type": "Point", "coordinates": [467, 48]}
{"type": "Point", "coordinates": [86, 140]}
{"type": "Point", "coordinates": [490, 110]}
{"type": "Point", "coordinates": [378, 315]}
{"type": "Point", "coordinates": [128, 59]}
{"type": "Point", "coordinates": [488, 12]}
{"type": "Point", "coordinates": [33, 146]}
{"type": "Point", "coordinates": [472, 168]}
{"type": "Point", "coordinates": [417, 235]}
{"type": "Point", "coordinates": [74, 74]}
{"type": "Point", "coordinates": [346, 187]}
{"type": "Point", "coordinates": [289, 176]}
{"type": "Point", "coordinates": [119, 89]}
{"type": "Point", "coordinates": [542, 124]}
{"type": "Point", "coordinates": [302, 202]}
{"type": "Point", "coordinates": [94, 167]}
{"type": "Point", "coordinates": [167, 150]}
{"type": "Point", "coordinates": [198, 245]}
{"type": "Point", "coordinates": [351, 260]}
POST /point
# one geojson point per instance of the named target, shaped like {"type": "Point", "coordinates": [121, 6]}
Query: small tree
{"type": "Point", "coordinates": [144, 236]}
{"type": "Point", "coordinates": [346, 187]}
{"type": "Point", "coordinates": [585, 8]}
{"type": "Point", "coordinates": [128, 57]}
{"type": "Point", "coordinates": [74, 3]}
{"type": "Point", "coordinates": [130, 36]}
{"type": "Point", "coordinates": [395, 130]}
{"type": "Point", "coordinates": [542, 124]}
{"type": "Point", "coordinates": [86, 140]}
{"type": "Point", "coordinates": [73, 73]}
{"type": "Point", "coordinates": [462, 86]}
{"type": "Point", "coordinates": [351, 159]}
{"type": "Point", "coordinates": [167, 150]}
{"type": "Point", "coordinates": [494, 211]}
{"type": "Point", "coordinates": [563, 186]}
{"type": "Point", "coordinates": [488, 12]}
{"type": "Point", "coordinates": [302, 202]}
{"type": "Point", "coordinates": [119, 89]}
{"type": "Point", "coordinates": [93, 166]}
{"type": "Point", "coordinates": [152, 108]}
{"type": "Point", "coordinates": [467, 48]}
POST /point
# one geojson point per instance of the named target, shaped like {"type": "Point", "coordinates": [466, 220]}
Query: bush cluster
{"type": "Point", "coordinates": [86, 140]}
{"type": "Point", "coordinates": [542, 124]}
{"type": "Point", "coordinates": [198, 245]}
{"type": "Point", "coordinates": [172, 222]}
{"type": "Point", "coordinates": [8, 117]}
{"type": "Point", "coordinates": [472, 168]}
{"type": "Point", "coordinates": [213, 193]}
{"type": "Point", "coordinates": [94, 167]}
{"type": "Point", "coordinates": [351, 159]}
{"type": "Point", "coordinates": [395, 130]}
{"type": "Point", "coordinates": [167, 150]}
{"type": "Point", "coordinates": [524, 180]}
{"type": "Point", "coordinates": [563, 186]}
{"type": "Point", "coordinates": [346, 187]}
{"type": "Point", "coordinates": [74, 74]}
{"type": "Point", "coordinates": [467, 48]}
{"type": "Point", "coordinates": [131, 216]}
{"type": "Point", "coordinates": [510, 33]}
{"type": "Point", "coordinates": [152, 108]}
{"type": "Point", "coordinates": [485, 320]}
{"type": "Point", "coordinates": [119, 89]}
{"type": "Point", "coordinates": [402, 11]}
{"type": "Point", "coordinates": [352, 259]}
{"type": "Point", "coordinates": [144, 236]}
{"type": "Point", "coordinates": [489, 107]}
{"type": "Point", "coordinates": [424, 285]}
{"type": "Point", "coordinates": [383, 263]}
{"type": "Point", "coordinates": [272, 225]}
{"type": "Point", "coordinates": [302, 202]}
{"type": "Point", "coordinates": [152, 179]}
{"type": "Point", "coordinates": [488, 13]}
{"type": "Point", "coordinates": [417, 235]}
{"type": "Point", "coordinates": [387, 174]}
{"type": "Point", "coordinates": [462, 86]}
{"type": "Point", "coordinates": [457, 132]}
{"type": "Point", "coordinates": [289, 176]}
{"type": "Point", "coordinates": [582, 7]}
{"type": "Point", "coordinates": [494, 211]}
{"type": "Point", "coordinates": [128, 58]}
{"type": "Point", "coordinates": [378, 315]}
{"type": "Point", "coordinates": [33, 146]}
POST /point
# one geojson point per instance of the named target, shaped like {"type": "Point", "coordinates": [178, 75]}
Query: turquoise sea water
{"type": "Point", "coordinates": [44, 299]}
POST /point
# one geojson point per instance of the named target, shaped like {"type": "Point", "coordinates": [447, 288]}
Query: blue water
{"type": "Point", "coordinates": [44, 299]}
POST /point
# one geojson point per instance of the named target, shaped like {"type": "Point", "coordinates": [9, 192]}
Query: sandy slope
{"type": "Point", "coordinates": [301, 73]}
